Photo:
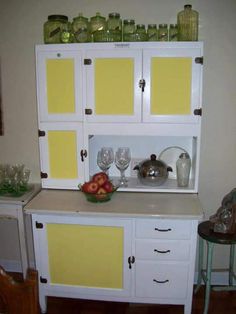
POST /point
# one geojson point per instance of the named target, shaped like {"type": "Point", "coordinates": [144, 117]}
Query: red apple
{"type": "Point", "coordinates": [101, 193]}
{"type": "Point", "coordinates": [100, 178]}
{"type": "Point", "coordinates": [90, 187]}
{"type": "Point", "coordinates": [108, 186]}
{"type": "Point", "coordinates": [101, 190]}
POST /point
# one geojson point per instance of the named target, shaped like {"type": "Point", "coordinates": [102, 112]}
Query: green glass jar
{"type": "Point", "coordinates": [187, 21]}
{"type": "Point", "coordinates": [114, 27]}
{"type": "Point", "coordinates": [52, 29]}
{"type": "Point", "coordinates": [141, 34]}
{"type": "Point", "coordinates": [97, 23]}
{"type": "Point", "coordinates": [163, 32]}
{"type": "Point", "coordinates": [173, 32]}
{"type": "Point", "coordinates": [67, 34]}
{"type": "Point", "coordinates": [129, 30]}
{"type": "Point", "coordinates": [152, 33]}
{"type": "Point", "coordinates": [80, 27]}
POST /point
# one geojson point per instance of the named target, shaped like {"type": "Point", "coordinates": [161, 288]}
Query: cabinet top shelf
{"type": "Point", "coordinates": [126, 204]}
{"type": "Point", "coordinates": [121, 45]}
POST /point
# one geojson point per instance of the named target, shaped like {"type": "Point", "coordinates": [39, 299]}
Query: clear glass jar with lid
{"type": "Point", "coordinates": [52, 28]}
{"type": "Point", "coordinates": [129, 30]}
{"type": "Point", "coordinates": [183, 166]}
{"type": "Point", "coordinates": [114, 26]}
{"type": "Point", "coordinates": [141, 34]}
{"type": "Point", "coordinates": [187, 21]}
{"type": "Point", "coordinates": [80, 27]}
{"type": "Point", "coordinates": [97, 24]}
{"type": "Point", "coordinates": [152, 33]}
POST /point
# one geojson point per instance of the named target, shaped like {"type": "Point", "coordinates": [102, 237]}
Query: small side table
{"type": "Point", "coordinates": [12, 207]}
{"type": "Point", "coordinates": [211, 238]}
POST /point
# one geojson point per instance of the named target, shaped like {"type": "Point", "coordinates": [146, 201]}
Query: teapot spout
{"type": "Point", "coordinates": [136, 167]}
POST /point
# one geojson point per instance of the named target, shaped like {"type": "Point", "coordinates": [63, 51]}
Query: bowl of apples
{"type": "Point", "coordinates": [98, 189]}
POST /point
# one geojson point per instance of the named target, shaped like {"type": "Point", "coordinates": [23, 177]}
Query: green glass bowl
{"type": "Point", "coordinates": [98, 198]}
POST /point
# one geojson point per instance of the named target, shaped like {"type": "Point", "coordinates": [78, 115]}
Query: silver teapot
{"type": "Point", "coordinates": [152, 171]}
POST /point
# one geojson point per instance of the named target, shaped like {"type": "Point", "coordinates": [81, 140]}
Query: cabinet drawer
{"type": "Point", "coordinates": [163, 229]}
{"type": "Point", "coordinates": [161, 280]}
{"type": "Point", "coordinates": [162, 250]}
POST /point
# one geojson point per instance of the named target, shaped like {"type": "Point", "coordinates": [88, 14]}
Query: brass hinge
{"type": "Point", "coordinates": [43, 175]}
{"type": "Point", "coordinates": [43, 280]}
{"type": "Point", "coordinates": [88, 111]}
{"type": "Point", "coordinates": [87, 61]}
{"type": "Point", "coordinates": [38, 225]}
{"type": "Point", "coordinates": [199, 60]}
{"type": "Point", "coordinates": [198, 112]}
{"type": "Point", "coordinates": [41, 133]}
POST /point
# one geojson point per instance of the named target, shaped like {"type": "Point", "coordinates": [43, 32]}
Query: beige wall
{"type": "Point", "coordinates": [21, 29]}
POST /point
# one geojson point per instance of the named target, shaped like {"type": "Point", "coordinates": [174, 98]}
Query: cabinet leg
{"type": "Point", "coordinates": [43, 303]}
{"type": "Point", "coordinates": [188, 307]}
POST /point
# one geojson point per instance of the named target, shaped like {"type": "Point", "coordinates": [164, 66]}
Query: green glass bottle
{"type": "Point", "coordinates": [187, 21]}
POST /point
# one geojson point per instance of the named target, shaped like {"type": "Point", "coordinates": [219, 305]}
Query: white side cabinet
{"type": "Point", "coordinates": [137, 248]}
{"type": "Point", "coordinates": [13, 208]}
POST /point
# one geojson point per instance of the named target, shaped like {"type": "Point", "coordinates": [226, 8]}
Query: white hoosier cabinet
{"type": "Point", "coordinates": [140, 246]}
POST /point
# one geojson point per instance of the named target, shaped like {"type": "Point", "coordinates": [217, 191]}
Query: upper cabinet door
{"type": "Point", "coordinates": [173, 85]}
{"type": "Point", "coordinates": [59, 80]}
{"type": "Point", "coordinates": [112, 85]}
{"type": "Point", "coordinates": [63, 157]}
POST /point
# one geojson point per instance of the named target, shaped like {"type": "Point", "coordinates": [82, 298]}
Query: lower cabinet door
{"type": "Point", "coordinates": [161, 280]}
{"type": "Point", "coordinates": [84, 255]}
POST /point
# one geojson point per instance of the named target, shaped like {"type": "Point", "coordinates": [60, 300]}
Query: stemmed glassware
{"type": "Point", "coordinates": [122, 161]}
{"type": "Point", "coordinates": [105, 158]}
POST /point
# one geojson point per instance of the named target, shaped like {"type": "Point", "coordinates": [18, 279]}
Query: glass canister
{"type": "Point", "coordinates": [80, 27]}
{"type": "Point", "coordinates": [173, 32]}
{"type": "Point", "coordinates": [97, 24]}
{"type": "Point", "coordinates": [183, 166]}
{"type": "Point", "coordinates": [152, 33]}
{"type": "Point", "coordinates": [114, 26]}
{"type": "Point", "coordinates": [53, 27]}
{"type": "Point", "coordinates": [163, 32]}
{"type": "Point", "coordinates": [187, 21]}
{"type": "Point", "coordinates": [140, 33]}
{"type": "Point", "coordinates": [67, 34]}
{"type": "Point", "coordinates": [129, 30]}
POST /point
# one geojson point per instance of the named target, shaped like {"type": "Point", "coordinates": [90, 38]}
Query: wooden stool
{"type": "Point", "coordinates": [205, 232]}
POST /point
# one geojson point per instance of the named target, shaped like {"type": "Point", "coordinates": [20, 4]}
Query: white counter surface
{"type": "Point", "coordinates": [161, 205]}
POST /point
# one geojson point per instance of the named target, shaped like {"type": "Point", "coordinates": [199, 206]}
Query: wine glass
{"type": "Point", "coordinates": [122, 161]}
{"type": "Point", "coordinates": [105, 158]}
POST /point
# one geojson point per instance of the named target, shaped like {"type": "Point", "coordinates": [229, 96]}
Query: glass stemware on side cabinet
{"type": "Point", "coordinates": [105, 158]}
{"type": "Point", "coordinates": [122, 161]}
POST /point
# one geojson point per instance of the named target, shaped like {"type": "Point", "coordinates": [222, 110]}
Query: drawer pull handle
{"type": "Point", "coordinates": [162, 230]}
{"type": "Point", "coordinates": [162, 252]}
{"type": "Point", "coordinates": [161, 281]}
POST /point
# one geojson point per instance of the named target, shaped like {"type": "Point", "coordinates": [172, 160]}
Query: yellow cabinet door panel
{"type": "Point", "coordinates": [60, 86]}
{"type": "Point", "coordinates": [114, 86]}
{"type": "Point", "coordinates": [86, 255]}
{"type": "Point", "coordinates": [171, 85]}
{"type": "Point", "coordinates": [62, 150]}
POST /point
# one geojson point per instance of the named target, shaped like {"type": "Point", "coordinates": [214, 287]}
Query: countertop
{"type": "Point", "coordinates": [23, 199]}
{"type": "Point", "coordinates": [128, 204]}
